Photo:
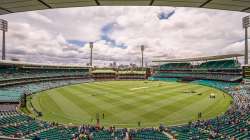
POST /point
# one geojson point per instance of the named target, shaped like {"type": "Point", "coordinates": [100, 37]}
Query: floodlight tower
{"type": "Point", "coordinates": [142, 50]}
{"type": "Point", "coordinates": [4, 28]}
{"type": "Point", "coordinates": [246, 24]}
{"type": "Point", "coordinates": [91, 45]}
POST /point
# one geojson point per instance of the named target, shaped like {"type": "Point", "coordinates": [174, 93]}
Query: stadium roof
{"type": "Point", "coordinates": [131, 72]}
{"type": "Point", "coordinates": [36, 65]}
{"type": "Point", "coordinates": [205, 58]}
{"type": "Point", "coordinates": [103, 71]}
{"type": "Point", "coordinates": [13, 6]}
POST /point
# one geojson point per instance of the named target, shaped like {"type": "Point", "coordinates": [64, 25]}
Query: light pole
{"type": "Point", "coordinates": [4, 28]}
{"type": "Point", "coordinates": [91, 45]}
{"type": "Point", "coordinates": [246, 24]}
{"type": "Point", "coordinates": [142, 50]}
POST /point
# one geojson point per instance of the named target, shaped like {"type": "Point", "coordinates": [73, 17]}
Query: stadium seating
{"type": "Point", "coordinates": [23, 129]}
{"type": "Point", "coordinates": [56, 133]}
{"type": "Point", "coordinates": [13, 73]}
{"type": "Point", "coordinates": [163, 79]}
{"type": "Point", "coordinates": [131, 75]}
{"type": "Point", "coordinates": [175, 66]}
{"type": "Point", "coordinates": [106, 134]}
{"type": "Point", "coordinates": [13, 93]}
{"type": "Point", "coordinates": [220, 64]}
{"type": "Point", "coordinates": [12, 117]}
{"type": "Point", "coordinates": [224, 70]}
{"type": "Point", "coordinates": [187, 132]}
{"type": "Point", "coordinates": [147, 134]}
{"type": "Point", "coordinates": [233, 124]}
{"type": "Point", "coordinates": [224, 127]}
{"type": "Point", "coordinates": [106, 74]}
{"type": "Point", "coordinates": [17, 78]}
{"type": "Point", "coordinates": [211, 76]}
{"type": "Point", "coordinates": [216, 84]}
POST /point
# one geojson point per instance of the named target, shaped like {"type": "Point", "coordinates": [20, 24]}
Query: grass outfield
{"type": "Point", "coordinates": [124, 103]}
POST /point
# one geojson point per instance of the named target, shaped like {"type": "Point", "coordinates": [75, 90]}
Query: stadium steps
{"type": "Point", "coordinates": [37, 132]}
{"type": "Point", "coordinates": [168, 135]}
{"type": "Point", "coordinates": [185, 132]}
{"type": "Point", "coordinates": [7, 120]}
{"type": "Point", "coordinates": [15, 123]}
{"type": "Point", "coordinates": [26, 128]}
{"type": "Point", "coordinates": [236, 78]}
{"type": "Point", "coordinates": [56, 133]}
{"type": "Point", "coordinates": [149, 135]}
{"type": "Point", "coordinates": [105, 134]}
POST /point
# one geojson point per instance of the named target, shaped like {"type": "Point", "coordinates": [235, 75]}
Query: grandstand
{"type": "Point", "coordinates": [221, 73]}
{"type": "Point", "coordinates": [222, 67]}
{"type": "Point", "coordinates": [116, 74]}
{"type": "Point", "coordinates": [128, 75]}
{"type": "Point", "coordinates": [17, 78]}
{"type": "Point", "coordinates": [15, 124]}
{"type": "Point", "coordinates": [103, 74]}
{"type": "Point", "coordinates": [232, 125]}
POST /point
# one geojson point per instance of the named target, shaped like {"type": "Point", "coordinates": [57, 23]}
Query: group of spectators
{"type": "Point", "coordinates": [234, 122]}
{"type": "Point", "coordinates": [87, 132]}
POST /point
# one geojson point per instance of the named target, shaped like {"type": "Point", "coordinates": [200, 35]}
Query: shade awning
{"type": "Point", "coordinates": [204, 58]}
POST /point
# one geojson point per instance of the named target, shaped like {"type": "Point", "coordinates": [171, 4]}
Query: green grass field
{"type": "Point", "coordinates": [124, 103]}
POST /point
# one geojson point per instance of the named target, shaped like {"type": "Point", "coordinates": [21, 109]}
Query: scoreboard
{"type": "Point", "coordinates": [246, 72]}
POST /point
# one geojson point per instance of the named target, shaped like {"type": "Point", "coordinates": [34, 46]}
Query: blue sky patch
{"type": "Point", "coordinates": [77, 42]}
{"type": "Point", "coordinates": [106, 30]}
{"type": "Point", "coordinates": [112, 42]}
{"type": "Point", "coordinates": [166, 15]}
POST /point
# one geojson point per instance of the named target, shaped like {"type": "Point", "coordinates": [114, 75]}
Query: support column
{"type": "Point", "coordinates": [246, 46]}
{"type": "Point", "coordinates": [91, 53]}
{"type": "Point", "coordinates": [142, 59]}
{"type": "Point", "coordinates": [3, 47]}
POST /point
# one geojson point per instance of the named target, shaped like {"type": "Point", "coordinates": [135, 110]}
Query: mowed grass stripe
{"type": "Point", "coordinates": [128, 106]}
{"type": "Point", "coordinates": [190, 111]}
{"type": "Point", "coordinates": [120, 93]}
{"type": "Point", "coordinates": [150, 103]}
{"type": "Point", "coordinates": [101, 91]}
{"type": "Point", "coordinates": [160, 102]}
{"type": "Point", "coordinates": [53, 112]}
{"type": "Point", "coordinates": [113, 109]}
{"type": "Point", "coordinates": [168, 109]}
{"type": "Point", "coordinates": [155, 109]}
{"type": "Point", "coordinates": [110, 96]}
{"type": "Point", "coordinates": [124, 96]}
{"type": "Point", "coordinates": [67, 105]}
{"type": "Point", "coordinates": [221, 104]}
{"type": "Point", "coordinates": [100, 99]}
{"type": "Point", "coordinates": [125, 106]}
{"type": "Point", "coordinates": [90, 104]}
{"type": "Point", "coordinates": [101, 104]}
{"type": "Point", "coordinates": [158, 96]}
{"type": "Point", "coordinates": [156, 101]}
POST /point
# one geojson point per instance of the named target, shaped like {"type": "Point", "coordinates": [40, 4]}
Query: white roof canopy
{"type": "Point", "coordinates": [204, 58]}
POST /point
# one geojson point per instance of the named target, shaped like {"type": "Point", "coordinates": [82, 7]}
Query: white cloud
{"type": "Point", "coordinates": [39, 17]}
{"type": "Point", "coordinates": [42, 36]}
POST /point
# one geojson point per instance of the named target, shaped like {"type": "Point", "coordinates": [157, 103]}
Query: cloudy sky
{"type": "Point", "coordinates": [62, 35]}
